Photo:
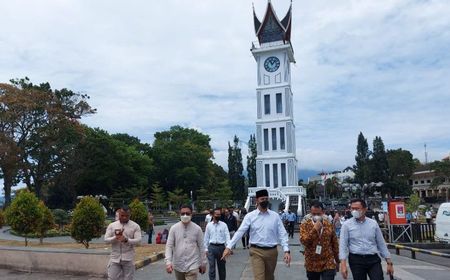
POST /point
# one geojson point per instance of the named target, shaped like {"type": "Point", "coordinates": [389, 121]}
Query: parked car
{"type": "Point", "coordinates": [443, 223]}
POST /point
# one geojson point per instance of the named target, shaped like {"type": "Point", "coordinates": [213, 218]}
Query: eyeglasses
{"type": "Point", "coordinates": [185, 214]}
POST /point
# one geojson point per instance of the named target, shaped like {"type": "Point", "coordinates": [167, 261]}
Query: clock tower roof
{"type": "Point", "coordinates": [271, 29]}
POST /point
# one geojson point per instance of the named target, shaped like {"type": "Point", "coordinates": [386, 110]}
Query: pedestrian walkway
{"type": "Point", "coordinates": [239, 268]}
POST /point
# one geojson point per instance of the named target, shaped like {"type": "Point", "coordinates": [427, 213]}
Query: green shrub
{"type": "Point", "coordinates": [2, 218]}
{"type": "Point", "coordinates": [46, 221]}
{"type": "Point", "coordinates": [50, 233]}
{"type": "Point", "coordinates": [88, 221]}
{"type": "Point", "coordinates": [61, 217]}
{"type": "Point", "coordinates": [23, 215]}
{"type": "Point", "coordinates": [159, 223]}
{"type": "Point", "coordinates": [139, 214]}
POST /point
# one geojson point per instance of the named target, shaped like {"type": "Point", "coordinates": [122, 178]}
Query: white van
{"type": "Point", "coordinates": [443, 223]}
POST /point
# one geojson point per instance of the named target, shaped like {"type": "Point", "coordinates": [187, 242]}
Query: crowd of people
{"type": "Point", "coordinates": [332, 242]}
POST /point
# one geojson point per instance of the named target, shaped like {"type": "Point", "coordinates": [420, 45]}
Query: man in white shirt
{"type": "Point", "coordinates": [123, 234]}
{"type": "Point", "coordinates": [266, 231]}
{"type": "Point", "coordinates": [208, 217]}
{"type": "Point", "coordinates": [184, 248]}
{"type": "Point", "coordinates": [216, 237]}
{"type": "Point", "coordinates": [429, 216]}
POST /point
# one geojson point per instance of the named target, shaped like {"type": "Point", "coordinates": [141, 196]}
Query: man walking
{"type": "Point", "coordinates": [216, 237]}
{"type": "Point", "coordinates": [291, 219]}
{"type": "Point", "coordinates": [266, 229]}
{"type": "Point", "coordinates": [361, 241]}
{"type": "Point", "coordinates": [321, 245]}
{"type": "Point", "coordinates": [231, 222]}
{"type": "Point", "coordinates": [184, 248]}
{"type": "Point", "coordinates": [123, 235]}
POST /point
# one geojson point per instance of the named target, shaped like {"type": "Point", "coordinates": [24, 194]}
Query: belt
{"type": "Point", "coordinates": [364, 256]}
{"type": "Point", "coordinates": [262, 247]}
{"type": "Point", "coordinates": [217, 244]}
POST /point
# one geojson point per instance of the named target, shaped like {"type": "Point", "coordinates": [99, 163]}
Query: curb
{"type": "Point", "coordinates": [148, 260]}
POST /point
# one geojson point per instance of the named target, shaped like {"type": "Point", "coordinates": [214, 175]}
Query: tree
{"type": "Point", "coordinates": [235, 169]}
{"type": "Point", "coordinates": [61, 218]}
{"type": "Point", "coordinates": [401, 167]}
{"type": "Point", "coordinates": [46, 221]}
{"type": "Point", "coordinates": [177, 197]}
{"type": "Point", "coordinates": [362, 160]}
{"type": "Point", "coordinates": [126, 195]}
{"type": "Point", "coordinates": [158, 197]}
{"type": "Point", "coordinates": [108, 165]}
{"type": "Point", "coordinates": [139, 214]}
{"type": "Point", "coordinates": [379, 167]}
{"type": "Point", "coordinates": [23, 215]}
{"type": "Point", "coordinates": [2, 218]}
{"type": "Point", "coordinates": [441, 170]}
{"type": "Point", "coordinates": [223, 194]}
{"type": "Point", "coordinates": [413, 203]}
{"type": "Point", "coordinates": [182, 159]}
{"type": "Point", "coordinates": [312, 190]}
{"type": "Point", "coordinates": [251, 161]}
{"type": "Point", "coordinates": [41, 125]}
{"type": "Point", "coordinates": [88, 221]}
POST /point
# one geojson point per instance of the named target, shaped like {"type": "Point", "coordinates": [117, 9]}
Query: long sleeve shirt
{"type": "Point", "coordinates": [123, 250]}
{"type": "Point", "coordinates": [216, 233]}
{"type": "Point", "coordinates": [310, 238]}
{"type": "Point", "coordinates": [362, 238]}
{"type": "Point", "coordinates": [266, 230]}
{"type": "Point", "coordinates": [184, 247]}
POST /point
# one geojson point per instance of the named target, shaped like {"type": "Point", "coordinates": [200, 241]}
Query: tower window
{"type": "Point", "coordinates": [267, 174]}
{"type": "Point", "coordinates": [266, 139]}
{"type": "Point", "coordinates": [274, 139]}
{"type": "Point", "coordinates": [283, 174]}
{"type": "Point", "coordinates": [279, 103]}
{"type": "Point", "coordinates": [275, 175]}
{"type": "Point", "coordinates": [267, 104]}
{"type": "Point", "coordinates": [282, 141]}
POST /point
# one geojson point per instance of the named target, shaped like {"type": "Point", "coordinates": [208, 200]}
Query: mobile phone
{"type": "Point", "coordinates": [118, 232]}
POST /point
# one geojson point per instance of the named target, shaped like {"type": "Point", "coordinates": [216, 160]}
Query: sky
{"type": "Point", "coordinates": [379, 67]}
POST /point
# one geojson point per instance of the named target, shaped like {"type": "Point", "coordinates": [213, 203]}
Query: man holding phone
{"type": "Point", "coordinates": [123, 234]}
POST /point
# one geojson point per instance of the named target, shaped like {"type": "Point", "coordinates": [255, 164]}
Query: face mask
{"type": "Point", "coordinates": [356, 214]}
{"type": "Point", "coordinates": [264, 204]}
{"type": "Point", "coordinates": [317, 218]}
{"type": "Point", "coordinates": [185, 219]}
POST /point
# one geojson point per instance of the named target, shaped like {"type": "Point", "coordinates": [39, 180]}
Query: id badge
{"type": "Point", "coordinates": [318, 249]}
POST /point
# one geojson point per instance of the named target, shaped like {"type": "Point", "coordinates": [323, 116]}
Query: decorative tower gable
{"type": "Point", "coordinates": [271, 29]}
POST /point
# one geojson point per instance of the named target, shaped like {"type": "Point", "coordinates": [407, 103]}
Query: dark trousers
{"type": "Point", "coordinates": [365, 265]}
{"type": "Point", "coordinates": [324, 275]}
{"type": "Point", "coordinates": [245, 243]}
{"type": "Point", "coordinates": [214, 255]}
{"type": "Point", "coordinates": [150, 235]}
{"type": "Point", "coordinates": [291, 229]}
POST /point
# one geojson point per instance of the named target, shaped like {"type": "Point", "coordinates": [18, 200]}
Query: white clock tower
{"type": "Point", "coordinates": [276, 163]}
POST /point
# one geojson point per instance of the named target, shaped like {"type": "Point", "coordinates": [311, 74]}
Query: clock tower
{"type": "Point", "coordinates": [276, 162]}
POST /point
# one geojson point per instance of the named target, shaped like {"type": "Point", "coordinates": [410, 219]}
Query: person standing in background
{"type": "Point", "coordinates": [151, 229]}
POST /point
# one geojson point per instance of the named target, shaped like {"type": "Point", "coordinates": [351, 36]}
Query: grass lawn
{"type": "Point", "coordinates": [142, 251]}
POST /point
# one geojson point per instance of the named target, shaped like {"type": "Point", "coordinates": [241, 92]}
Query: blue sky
{"type": "Point", "coordinates": [380, 67]}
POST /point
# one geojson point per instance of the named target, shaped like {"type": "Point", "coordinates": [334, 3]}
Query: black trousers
{"type": "Point", "coordinates": [291, 229]}
{"type": "Point", "coordinates": [324, 275]}
{"type": "Point", "coordinates": [365, 265]}
{"type": "Point", "coordinates": [214, 255]}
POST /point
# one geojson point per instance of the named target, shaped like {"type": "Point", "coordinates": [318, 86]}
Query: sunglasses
{"type": "Point", "coordinates": [185, 214]}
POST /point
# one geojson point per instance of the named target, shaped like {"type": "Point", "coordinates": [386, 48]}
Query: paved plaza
{"type": "Point", "coordinates": [239, 268]}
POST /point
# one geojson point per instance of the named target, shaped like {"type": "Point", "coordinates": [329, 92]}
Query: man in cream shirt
{"type": "Point", "coordinates": [123, 234]}
{"type": "Point", "coordinates": [185, 253]}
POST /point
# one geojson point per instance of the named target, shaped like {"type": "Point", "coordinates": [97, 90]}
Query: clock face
{"type": "Point", "coordinates": [272, 64]}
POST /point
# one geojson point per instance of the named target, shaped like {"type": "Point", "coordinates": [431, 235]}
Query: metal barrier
{"type": "Point", "coordinates": [413, 232]}
{"type": "Point", "coordinates": [416, 250]}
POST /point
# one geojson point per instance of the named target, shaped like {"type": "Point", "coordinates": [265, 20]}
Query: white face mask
{"type": "Point", "coordinates": [317, 218]}
{"type": "Point", "coordinates": [185, 219]}
{"type": "Point", "coordinates": [356, 214]}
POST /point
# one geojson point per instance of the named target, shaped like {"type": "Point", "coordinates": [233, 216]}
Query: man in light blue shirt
{"type": "Point", "coordinates": [216, 237]}
{"type": "Point", "coordinates": [266, 231]}
{"type": "Point", "coordinates": [291, 218]}
{"type": "Point", "coordinates": [361, 241]}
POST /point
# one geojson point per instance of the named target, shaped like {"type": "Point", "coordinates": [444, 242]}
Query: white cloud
{"type": "Point", "coordinates": [380, 67]}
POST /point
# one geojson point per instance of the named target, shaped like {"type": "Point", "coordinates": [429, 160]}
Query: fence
{"type": "Point", "coordinates": [412, 233]}
{"type": "Point", "coordinates": [416, 250]}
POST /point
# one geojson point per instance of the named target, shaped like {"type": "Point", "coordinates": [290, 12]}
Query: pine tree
{"type": "Point", "coordinates": [379, 168]}
{"type": "Point", "coordinates": [362, 160]}
{"type": "Point", "coordinates": [251, 161]}
{"type": "Point", "coordinates": [235, 170]}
